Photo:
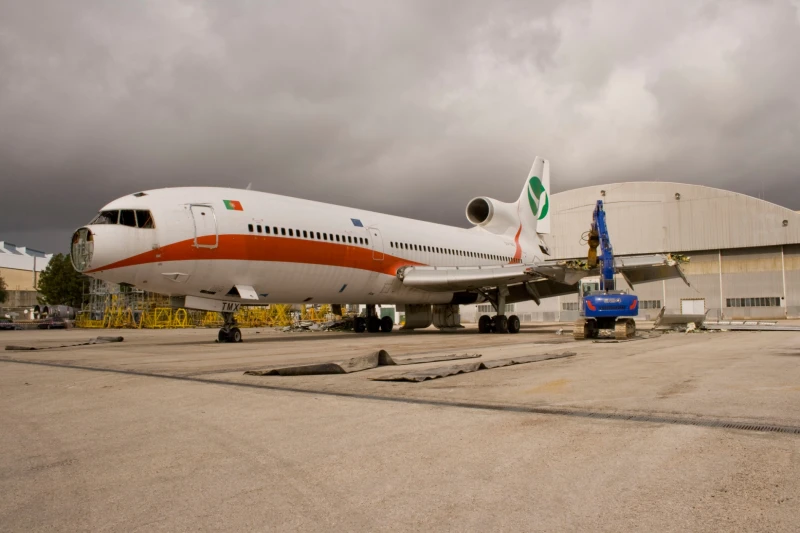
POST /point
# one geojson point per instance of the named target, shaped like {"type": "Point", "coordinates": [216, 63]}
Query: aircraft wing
{"type": "Point", "coordinates": [561, 274]}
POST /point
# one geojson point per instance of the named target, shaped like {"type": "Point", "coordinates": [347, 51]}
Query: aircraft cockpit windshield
{"type": "Point", "coordinates": [138, 218]}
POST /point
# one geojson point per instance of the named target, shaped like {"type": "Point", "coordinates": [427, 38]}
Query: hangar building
{"type": "Point", "coordinates": [20, 268]}
{"type": "Point", "coordinates": [745, 252]}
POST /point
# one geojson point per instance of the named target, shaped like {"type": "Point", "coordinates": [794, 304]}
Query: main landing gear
{"type": "Point", "coordinates": [372, 322]}
{"type": "Point", "coordinates": [229, 332]}
{"type": "Point", "coordinates": [499, 323]}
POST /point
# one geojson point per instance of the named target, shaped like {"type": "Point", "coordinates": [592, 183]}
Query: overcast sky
{"type": "Point", "coordinates": [405, 107]}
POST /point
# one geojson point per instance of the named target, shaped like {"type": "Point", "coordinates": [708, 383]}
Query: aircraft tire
{"type": "Point", "coordinates": [222, 336]}
{"type": "Point", "coordinates": [485, 324]}
{"type": "Point", "coordinates": [360, 324]}
{"type": "Point", "coordinates": [235, 335]}
{"type": "Point", "coordinates": [513, 324]}
{"type": "Point", "coordinates": [500, 324]}
{"type": "Point", "coordinates": [387, 324]}
{"type": "Point", "coordinates": [373, 324]}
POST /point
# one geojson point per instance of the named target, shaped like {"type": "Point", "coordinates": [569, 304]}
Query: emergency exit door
{"type": "Point", "coordinates": [376, 240]}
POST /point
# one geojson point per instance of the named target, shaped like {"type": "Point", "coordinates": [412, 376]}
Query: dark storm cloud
{"type": "Point", "coordinates": [408, 107]}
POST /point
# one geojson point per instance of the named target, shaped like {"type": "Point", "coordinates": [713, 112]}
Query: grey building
{"type": "Point", "coordinates": [745, 252]}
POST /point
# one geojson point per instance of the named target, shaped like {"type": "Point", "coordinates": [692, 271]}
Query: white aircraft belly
{"type": "Point", "coordinates": [275, 282]}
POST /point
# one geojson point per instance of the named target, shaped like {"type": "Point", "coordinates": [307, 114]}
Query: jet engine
{"type": "Point", "coordinates": [493, 216]}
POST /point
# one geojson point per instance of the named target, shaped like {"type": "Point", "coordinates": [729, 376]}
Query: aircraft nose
{"type": "Point", "coordinates": [82, 249]}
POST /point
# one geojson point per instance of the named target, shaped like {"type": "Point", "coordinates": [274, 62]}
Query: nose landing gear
{"type": "Point", "coordinates": [229, 332]}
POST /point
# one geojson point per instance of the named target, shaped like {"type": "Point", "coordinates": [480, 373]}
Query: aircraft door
{"type": "Point", "coordinates": [376, 241]}
{"type": "Point", "coordinates": [206, 234]}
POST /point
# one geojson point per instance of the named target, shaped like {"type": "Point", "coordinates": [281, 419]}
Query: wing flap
{"type": "Point", "coordinates": [647, 268]}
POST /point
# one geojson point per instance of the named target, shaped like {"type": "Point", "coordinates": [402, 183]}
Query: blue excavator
{"type": "Point", "coordinates": [602, 306]}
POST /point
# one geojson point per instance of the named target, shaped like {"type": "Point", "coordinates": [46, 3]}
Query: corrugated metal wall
{"type": "Point", "coordinates": [791, 257]}
{"type": "Point", "coordinates": [645, 217]}
{"type": "Point", "coordinates": [753, 273]}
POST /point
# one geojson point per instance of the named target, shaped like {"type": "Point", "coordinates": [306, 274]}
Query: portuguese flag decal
{"type": "Point", "coordinates": [234, 205]}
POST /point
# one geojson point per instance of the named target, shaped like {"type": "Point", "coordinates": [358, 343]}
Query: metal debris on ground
{"type": "Point", "coordinates": [344, 324]}
{"type": "Point", "coordinates": [748, 325]}
{"type": "Point", "coordinates": [425, 374]}
{"type": "Point", "coordinates": [641, 335]}
{"type": "Point", "coordinates": [355, 364]}
{"type": "Point", "coordinates": [97, 340]}
{"type": "Point", "coordinates": [678, 320]}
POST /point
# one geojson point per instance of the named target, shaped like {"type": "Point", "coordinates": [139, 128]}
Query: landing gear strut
{"type": "Point", "coordinates": [372, 322]}
{"type": "Point", "coordinates": [229, 332]}
{"type": "Point", "coordinates": [499, 323]}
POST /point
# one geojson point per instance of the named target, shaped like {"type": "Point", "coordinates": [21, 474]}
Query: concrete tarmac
{"type": "Point", "coordinates": [164, 432]}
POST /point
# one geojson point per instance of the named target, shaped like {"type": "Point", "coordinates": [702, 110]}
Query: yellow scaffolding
{"type": "Point", "coordinates": [115, 306]}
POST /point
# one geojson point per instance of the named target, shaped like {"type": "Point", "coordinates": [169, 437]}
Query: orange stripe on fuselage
{"type": "Point", "coordinates": [270, 248]}
{"type": "Point", "coordinates": [518, 251]}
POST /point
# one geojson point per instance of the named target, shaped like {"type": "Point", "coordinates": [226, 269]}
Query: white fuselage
{"type": "Point", "coordinates": [205, 241]}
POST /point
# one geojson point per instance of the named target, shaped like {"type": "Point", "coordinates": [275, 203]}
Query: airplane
{"type": "Point", "coordinates": [217, 249]}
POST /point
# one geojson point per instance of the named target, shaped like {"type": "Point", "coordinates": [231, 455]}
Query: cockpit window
{"type": "Point", "coordinates": [144, 219]}
{"type": "Point", "coordinates": [127, 218]}
{"type": "Point", "coordinates": [106, 217]}
{"type": "Point", "coordinates": [139, 218]}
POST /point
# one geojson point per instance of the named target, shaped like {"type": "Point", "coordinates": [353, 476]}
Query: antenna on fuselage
{"type": "Point", "coordinates": [249, 186]}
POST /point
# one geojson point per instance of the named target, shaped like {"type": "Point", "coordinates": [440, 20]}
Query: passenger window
{"type": "Point", "coordinates": [297, 232]}
{"type": "Point", "coordinates": [250, 228]}
{"type": "Point", "coordinates": [366, 241]}
{"type": "Point", "coordinates": [144, 219]}
{"type": "Point", "coordinates": [127, 218]}
{"type": "Point", "coordinates": [318, 237]}
{"type": "Point", "coordinates": [311, 234]}
{"type": "Point", "coordinates": [361, 240]}
{"type": "Point", "coordinates": [266, 230]}
{"type": "Point", "coordinates": [290, 233]}
{"type": "Point", "coordinates": [305, 234]}
{"type": "Point", "coordinates": [274, 230]}
{"type": "Point", "coordinates": [324, 236]}
{"type": "Point", "coordinates": [283, 231]}
{"type": "Point", "coordinates": [349, 239]}
{"type": "Point", "coordinates": [258, 228]}
{"type": "Point", "coordinates": [337, 238]}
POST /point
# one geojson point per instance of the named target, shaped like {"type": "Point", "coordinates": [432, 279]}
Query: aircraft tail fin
{"type": "Point", "coordinates": [534, 203]}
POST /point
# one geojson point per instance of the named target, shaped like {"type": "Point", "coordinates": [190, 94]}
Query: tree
{"type": "Point", "coordinates": [3, 291]}
{"type": "Point", "coordinates": [60, 283]}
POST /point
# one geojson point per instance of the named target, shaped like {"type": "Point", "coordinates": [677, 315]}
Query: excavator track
{"type": "Point", "coordinates": [585, 328]}
{"type": "Point", "coordinates": [579, 331]}
{"type": "Point", "coordinates": [625, 328]}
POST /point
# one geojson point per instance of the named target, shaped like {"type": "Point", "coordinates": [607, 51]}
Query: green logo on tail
{"type": "Point", "coordinates": [537, 197]}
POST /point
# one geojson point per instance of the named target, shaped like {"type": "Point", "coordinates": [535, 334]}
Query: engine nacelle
{"type": "Point", "coordinates": [492, 215]}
